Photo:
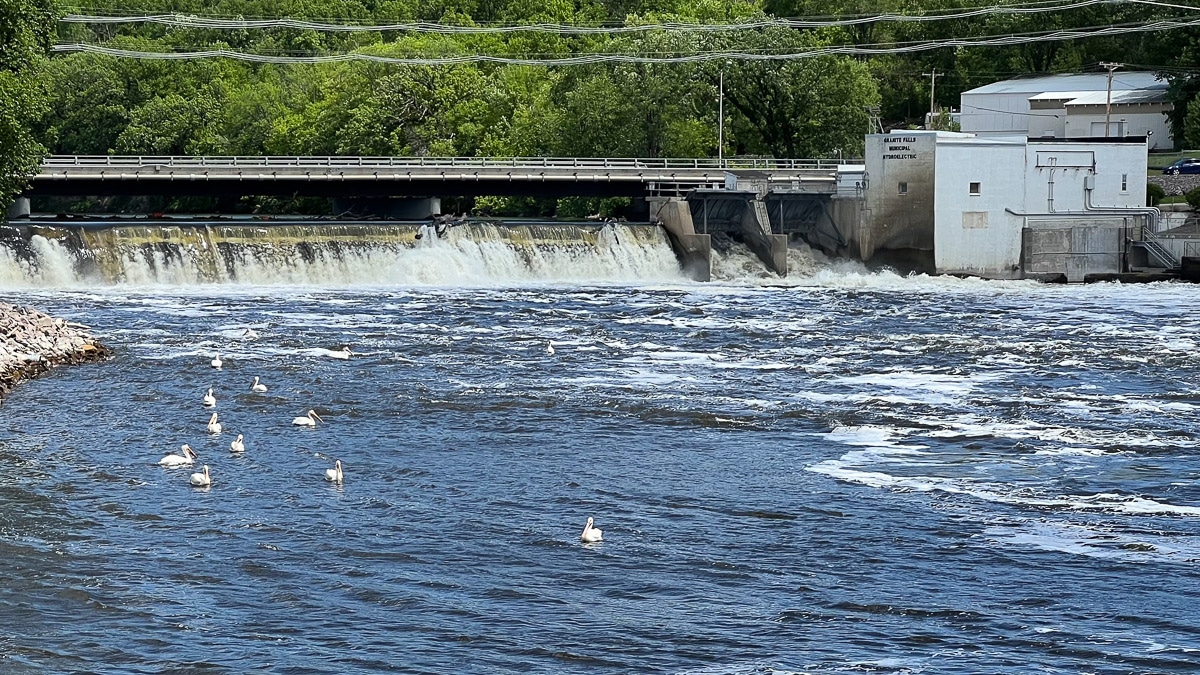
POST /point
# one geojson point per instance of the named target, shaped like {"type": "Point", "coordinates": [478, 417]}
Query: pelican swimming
{"type": "Point", "coordinates": [214, 427]}
{"type": "Point", "coordinates": [550, 348]}
{"type": "Point", "coordinates": [249, 334]}
{"type": "Point", "coordinates": [185, 457]}
{"type": "Point", "coordinates": [256, 386]}
{"type": "Point", "coordinates": [590, 534]}
{"type": "Point", "coordinates": [334, 474]}
{"type": "Point", "coordinates": [343, 353]}
{"type": "Point", "coordinates": [237, 445]}
{"type": "Point", "coordinates": [201, 479]}
{"type": "Point", "coordinates": [309, 420]}
{"type": "Point", "coordinates": [216, 362]}
{"type": "Point", "coordinates": [209, 399]}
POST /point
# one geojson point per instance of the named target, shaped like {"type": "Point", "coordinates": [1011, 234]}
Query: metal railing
{"type": "Point", "coordinates": [1156, 249]}
{"type": "Point", "coordinates": [632, 164]}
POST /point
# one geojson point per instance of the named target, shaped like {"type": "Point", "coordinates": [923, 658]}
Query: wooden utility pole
{"type": "Point", "coordinates": [933, 75]}
{"type": "Point", "coordinates": [1108, 98]}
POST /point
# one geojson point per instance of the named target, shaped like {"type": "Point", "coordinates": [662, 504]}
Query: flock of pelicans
{"type": "Point", "coordinates": [187, 457]}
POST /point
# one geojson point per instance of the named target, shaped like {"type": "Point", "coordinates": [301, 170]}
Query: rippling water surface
{"type": "Point", "coordinates": [869, 474]}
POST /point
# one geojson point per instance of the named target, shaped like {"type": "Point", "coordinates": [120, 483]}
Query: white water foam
{"type": "Point", "coordinates": [810, 268]}
{"type": "Point", "coordinates": [886, 463]}
{"type": "Point", "coordinates": [479, 255]}
{"type": "Point", "coordinates": [1094, 541]}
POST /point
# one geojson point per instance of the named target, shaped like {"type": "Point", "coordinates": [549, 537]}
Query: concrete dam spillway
{"type": "Point", "coordinates": [330, 252]}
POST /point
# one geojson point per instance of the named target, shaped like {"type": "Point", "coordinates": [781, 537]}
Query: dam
{"type": "Point", "coordinates": [1057, 210]}
{"type": "Point", "coordinates": [680, 206]}
{"type": "Point", "coordinates": [53, 253]}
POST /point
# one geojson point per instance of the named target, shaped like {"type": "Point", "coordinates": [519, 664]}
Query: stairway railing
{"type": "Point", "coordinates": [1156, 249]}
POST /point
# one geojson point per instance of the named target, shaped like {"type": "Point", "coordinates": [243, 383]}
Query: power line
{"type": "Point", "coordinates": [594, 58]}
{"type": "Point", "coordinates": [218, 23]}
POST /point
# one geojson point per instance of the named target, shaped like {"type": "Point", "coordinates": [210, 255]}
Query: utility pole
{"type": "Point", "coordinates": [933, 75]}
{"type": "Point", "coordinates": [1108, 98]}
{"type": "Point", "coordinates": [721, 110]}
{"type": "Point", "coordinates": [721, 115]}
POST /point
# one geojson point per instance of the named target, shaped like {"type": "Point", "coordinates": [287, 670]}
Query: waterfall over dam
{"type": "Point", "coordinates": [331, 253]}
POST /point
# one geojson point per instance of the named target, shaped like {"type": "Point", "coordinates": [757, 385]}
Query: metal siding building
{"type": "Point", "coordinates": [1067, 106]}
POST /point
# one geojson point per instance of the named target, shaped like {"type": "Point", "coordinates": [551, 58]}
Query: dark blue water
{"type": "Point", "coordinates": [913, 476]}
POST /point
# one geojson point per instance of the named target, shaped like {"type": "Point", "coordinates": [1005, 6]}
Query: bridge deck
{"type": "Point", "coordinates": [409, 176]}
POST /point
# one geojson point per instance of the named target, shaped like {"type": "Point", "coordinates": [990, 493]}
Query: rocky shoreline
{"type": "Point", "coordinates": [32, 343]}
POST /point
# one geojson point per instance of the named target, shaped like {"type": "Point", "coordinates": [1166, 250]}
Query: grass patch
{"type": "Point", "coordinates": [1157, 161]}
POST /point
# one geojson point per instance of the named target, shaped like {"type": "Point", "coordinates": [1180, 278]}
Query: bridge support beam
{"type": "Point", "coordinates": [693, 250]}
{"type": "Point", "coordinates": [19, 209]}
{"type": "Point", "coordinates": [400, 208]}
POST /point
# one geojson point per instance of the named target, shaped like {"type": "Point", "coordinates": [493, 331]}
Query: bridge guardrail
{"type": "Point", "coordinates": [128, 161]}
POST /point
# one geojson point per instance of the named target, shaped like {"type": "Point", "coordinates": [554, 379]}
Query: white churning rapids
{"type": "Point", "coordinates": [335, 254]}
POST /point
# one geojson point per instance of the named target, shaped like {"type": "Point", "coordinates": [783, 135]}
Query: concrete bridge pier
{"type": "Point", "coordinates": [19, 209]}
{"type": "Point", "coordinates": [693, 250]}
{"type": "Point", "coordinates": [743, 214]}
{"type": "Point", "coordinates": [756, 232]}
{"type": "Point", "coordinates": [399, 208]}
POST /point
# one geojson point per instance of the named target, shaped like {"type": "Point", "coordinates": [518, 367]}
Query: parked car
{"type": "Point", "coordinates": [1184, 166]}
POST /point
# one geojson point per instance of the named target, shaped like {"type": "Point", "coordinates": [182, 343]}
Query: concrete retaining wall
{"type": "Point", "coordinates": [1074, 249]}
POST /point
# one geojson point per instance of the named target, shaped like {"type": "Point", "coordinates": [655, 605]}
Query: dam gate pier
{"type": "Point", "coordinates": [764, 213]}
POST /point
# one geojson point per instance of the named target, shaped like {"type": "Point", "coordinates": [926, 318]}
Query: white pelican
{"type": "Point", "coordinates": [334, 474]}
{"type": "Point", "coordinates": [257, 387]}
{"type": "Point", "coordinates": [237, 445]}
{"type": "Point", "coordinates": [343, 353]}
{"type": "Point", "coordinates": [550, 348]}
{"type": "Point", "coordinates": [591, 534]}
{"type": "Point", "coordinates": [185, 457]}
{"type": "Point", "coordinates": [201, 479]}
{"type": "Point", "coordinates": [214, 427]}
{"type": "Point", "coordinates": [249, 334]}
{"type": "Point", "coordinates": [216, 362]}
{"type": "Point", "coordinates": [209, 399]}
{"type": "Point", "coordinates": [309, 420]}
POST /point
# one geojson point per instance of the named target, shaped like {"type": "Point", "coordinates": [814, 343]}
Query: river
{"type": "Point", "coordinates": [857, 472]}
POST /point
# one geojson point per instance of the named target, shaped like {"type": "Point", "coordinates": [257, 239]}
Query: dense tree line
{"type": "Point", "coordinates": [26, 30]}
{"type": "Point", "coordinates": [816, 107]}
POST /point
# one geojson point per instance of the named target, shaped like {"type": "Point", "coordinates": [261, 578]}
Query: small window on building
{"type": "Point", "coordinates": [976, 189]}
{"type": "Point", "coordinates": [902, 189]}
{"type": "Point", "coordinates": [1124, 182]}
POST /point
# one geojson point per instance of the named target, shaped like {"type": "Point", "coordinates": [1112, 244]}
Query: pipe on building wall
{"type": "Point", "coordinates": [1050, 191]}
{"type": "Point", "coordinates": [1152, 211]}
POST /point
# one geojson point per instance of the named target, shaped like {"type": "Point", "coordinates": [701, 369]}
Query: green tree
{"type": "Point", "coordinates": [1191, 125]}
{"type": "Point", "coordinates": [165, 125]}
{"type": "Point", "coordinates": [87, 105]}
{"type": "Point", "coordinates": [26, 27]}
{"type": "Point", "coordinates": [811, 107]}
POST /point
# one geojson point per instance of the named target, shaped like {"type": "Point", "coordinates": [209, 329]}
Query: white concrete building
{"type": "Point", "coordinates": [1009, 207]}
{"type": "Point", "coordinates": [1070, 106]}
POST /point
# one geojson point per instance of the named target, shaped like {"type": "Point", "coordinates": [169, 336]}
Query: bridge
{"type": "Point", "coordinates": [368, 177]}
{"type": "Point", "coordinates": [758, 201]}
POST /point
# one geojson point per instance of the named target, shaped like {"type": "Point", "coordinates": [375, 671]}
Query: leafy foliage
{"type": "Point", "coordinates": [1193, 198]}
{"type": "Point", "coordinates": [814, 107]}
{"type": "Point", "coordinates": [1154, 194]}
{"type": "Point", "coordinates": [26, 27]}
